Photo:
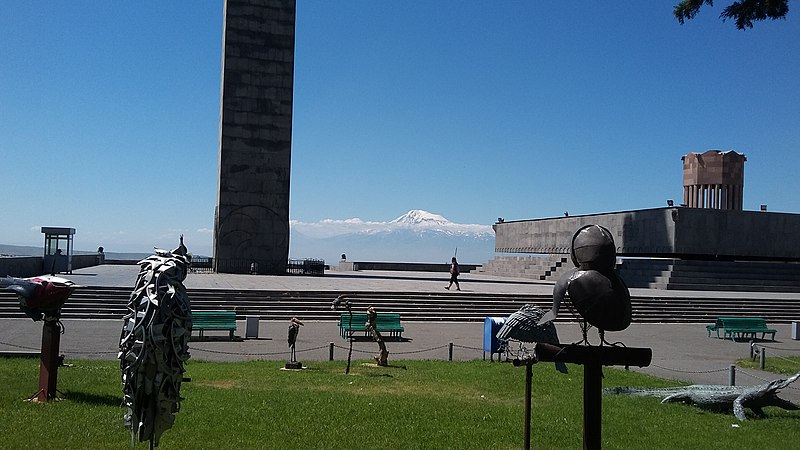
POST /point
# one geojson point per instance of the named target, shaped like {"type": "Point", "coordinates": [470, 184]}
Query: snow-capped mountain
{"type": "Point", "coordinates": [416, 236]}
{"type": "Point", "coordinates": [420, 217]}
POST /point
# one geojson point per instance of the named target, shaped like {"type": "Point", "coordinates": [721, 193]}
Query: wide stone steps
{"type": "Point", "coordinates": [542, 267]}
{"type": "Point", "coordinates": [110, 303]}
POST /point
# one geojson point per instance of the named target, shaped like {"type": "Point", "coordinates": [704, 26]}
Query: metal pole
{"type": "Point", "coordinates": [592, 405]}
{"type": "Point", "coordinates": [732, 376]}
{"type": "Point", "coordinates": [752, 351]}
{"type": "Point", "coordinates": [528, 377]}
{"type": "Point", "coordinates": [762, 358]}
{"type": "Point", "coordinates": [330, 351]}
{"type": "Point", "coordinates": [450, 352]}
{"type": "Point", "coordinates": [349, 338]}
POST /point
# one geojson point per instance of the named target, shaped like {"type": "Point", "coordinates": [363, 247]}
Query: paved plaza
{"type": "Point", "coordinates": [680, 351]}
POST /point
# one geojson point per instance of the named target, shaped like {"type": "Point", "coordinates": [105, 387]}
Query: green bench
{"type": "Point", "coordinates": [741, 328]}
{"type": "Point", "coordinates": [384, 322]}
{"type": "Point", "coordinates": [214, 320]}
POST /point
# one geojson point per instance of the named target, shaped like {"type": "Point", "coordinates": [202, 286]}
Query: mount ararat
{"type": "Point", "coordinates": [416, 236]}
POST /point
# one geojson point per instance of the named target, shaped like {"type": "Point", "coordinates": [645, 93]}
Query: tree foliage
{"type": "Point", "coordinates": [744, 12]}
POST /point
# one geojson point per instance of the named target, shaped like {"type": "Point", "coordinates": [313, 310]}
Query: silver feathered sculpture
{"type": "Point", "coordinates": [154, 344]}
{"type": "Point", "coordinates": [522, 326]}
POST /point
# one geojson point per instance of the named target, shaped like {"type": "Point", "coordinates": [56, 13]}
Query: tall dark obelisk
{"type": "Point", "coordinates": [251, 222]}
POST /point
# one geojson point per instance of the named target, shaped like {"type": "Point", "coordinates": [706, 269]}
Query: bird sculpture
{"type": "Point", "coordinates": [600, 297]}
{"type": "Point", "coordinates": [40, 297]}
{"type": "Point", "coordinates": [523, 326]}
{"type": "Point", "coordinates": [294, 329]}
{"type": "Point", "coordinates": [343, 302]}
{"type": "Point", "coordinates": [154, 344]}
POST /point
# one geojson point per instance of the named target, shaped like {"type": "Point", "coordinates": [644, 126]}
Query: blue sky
{"type": "Point", "coordinates": [109, 112]}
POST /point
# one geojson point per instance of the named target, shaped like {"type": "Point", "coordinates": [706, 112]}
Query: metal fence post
{"type": "Point", "coordinates": [752, 351]}
{"type": "Point", "coordinates": [732, 376]}
{"type": "Point", "coordinates": [762, 358]}
{"type": "Point", "coordinates": [450, 352]}
{"type": "Point", "coordinates": [330, 352]}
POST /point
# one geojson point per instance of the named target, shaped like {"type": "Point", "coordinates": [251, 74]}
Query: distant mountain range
{"type": "Point", "coordinates": [416, 236]}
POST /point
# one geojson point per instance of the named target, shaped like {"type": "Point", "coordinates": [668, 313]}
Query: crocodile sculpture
{"type": "Point", "coordinates": [719, 397]}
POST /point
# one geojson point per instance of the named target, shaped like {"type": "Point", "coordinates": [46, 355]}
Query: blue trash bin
{"type": "Point", "coordinates": [492, 345]}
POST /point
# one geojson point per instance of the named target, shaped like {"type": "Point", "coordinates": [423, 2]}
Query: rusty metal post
{"type": "Point", "coordinates": [48, 361]}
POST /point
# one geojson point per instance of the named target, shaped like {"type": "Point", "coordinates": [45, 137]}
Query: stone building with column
{"type": "Point", "coordinates": [709, 242]}
{"type": "Point", "coordinates": [713, 179]}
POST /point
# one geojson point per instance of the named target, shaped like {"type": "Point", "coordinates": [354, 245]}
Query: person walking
{"type": "Point", "coordinates": [454, 272]}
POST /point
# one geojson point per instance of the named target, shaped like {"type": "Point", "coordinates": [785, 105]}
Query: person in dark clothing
{"type": "Point", "coordinates": [454, 272]}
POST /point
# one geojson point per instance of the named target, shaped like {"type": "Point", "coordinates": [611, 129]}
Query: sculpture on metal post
{"type": "Point", "coordinates": [593, 287]}
{"type": "Point", "coordinates": [343, 301]}
{"type": "Point", "coordinates": [154, 344]}
{"type": "Point", "coordinates": [294, 329]}
{"type": "Point", "coordinates": [382, 358]}
{"type": "Point", "coordinates": [41, 298]}
{"type": "Point", "coordinates": [601, 300]}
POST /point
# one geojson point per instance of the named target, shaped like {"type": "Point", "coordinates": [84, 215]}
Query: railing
{"type": "Point", "coordinates": [306, 267]}
{"type": "Point", "coordinates": [204, 264]}
{"type": "Point", "coordinates": [201, 264]}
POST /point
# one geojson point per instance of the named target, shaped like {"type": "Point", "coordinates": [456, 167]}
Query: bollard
{"type": "Point", "coordinates": [450, 352]}
{"type": "Point", "coordinates": [761, 358]}
{"type": "Point", "coordinates": [331, 352]}
{"type": "Point", "coordinates": [752, 351]}
{"type": "Point", "coordinates": [732, 376]}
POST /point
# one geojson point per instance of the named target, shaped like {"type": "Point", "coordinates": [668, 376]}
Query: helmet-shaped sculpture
{"type": "Point", "coordinates": [593, 248]}
{"type": "Point", "coordinates": [598, 294]}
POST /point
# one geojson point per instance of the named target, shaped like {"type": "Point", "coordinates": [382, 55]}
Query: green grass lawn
{"type": "Point", "coordinates": [781, 365]}
{"type": "Point", "coordinates": [422, 405]}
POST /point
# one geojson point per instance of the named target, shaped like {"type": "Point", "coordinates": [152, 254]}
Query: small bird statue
{"type": "Point", "coordinates": [294, 328]}
{"type": "Point", "coordinates": [523, 326]}
{"type": "Point", "coordinates": [600, 296]}
{"type": "Point", "coordinates": [40, 297]}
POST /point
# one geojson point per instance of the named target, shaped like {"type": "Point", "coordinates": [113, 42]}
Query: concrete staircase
{"type": "Point", "coordinates": [746, 276]}
{"type": "Point", "coordinates": [539, 267]}
{"type": "Point", "coordinates": [110, 303]}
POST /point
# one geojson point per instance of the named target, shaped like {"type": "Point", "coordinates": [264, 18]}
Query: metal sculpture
{"type": "Point", "coordinates": [719, 397]}
{"type": "Point", "coordinates": [600, 297]}
{"type": "Point", "coordinates": [294, 329]}
{"type": "Point", "coordinates": [601, 300]}
{"type": "Point", "coordinates": [41, 298]}
{"type": "Point", "coordinates": [343, 302]}
{"type": "Point", "coordinates": [522, 326]}
{"type": "Point", "coordinates": [382, 358]}
{"type": "Point", "coordinates": [154, 344]}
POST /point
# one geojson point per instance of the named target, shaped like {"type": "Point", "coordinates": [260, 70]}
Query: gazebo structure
{"type": "Point", "coordinates": [57, 249]}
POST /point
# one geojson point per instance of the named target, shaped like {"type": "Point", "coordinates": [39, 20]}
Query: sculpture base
{"type": "Point", "coordinates": [293, 365]}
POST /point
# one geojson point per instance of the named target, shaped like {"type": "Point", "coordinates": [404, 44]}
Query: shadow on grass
{"type": "Point", "coordinates": [94, 399]}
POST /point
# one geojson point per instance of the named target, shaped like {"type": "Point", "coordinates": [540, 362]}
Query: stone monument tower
{"type": "Point", "coordinates": [251, 222]}
{"type": "Point", "coordinates": [713, 179]}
